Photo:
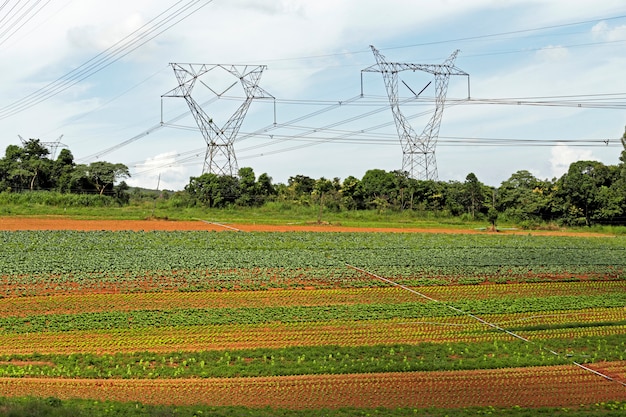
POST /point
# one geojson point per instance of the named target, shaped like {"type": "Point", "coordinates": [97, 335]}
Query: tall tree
{"type": "Point", "coordinates": [247, 187]}
{"type": "Point", "coordinates": [27, 167]}
{"type": "Point", "coordinates": [580, 188]}
{"type": "Point", "coordinates": [524, 197]}
{"type": "Point", "coordinates": [213, 190]}
{"type": "Point", "coordinates": [473, 193]}
{"type": "Point", "coordinates": [101, 175]}
{"type": "Point", "coordinates": [63, 169]}
{"type": "Point", "coordinates": [264, 188]}
{"type": "Point", "coordinates": [351, 197]}
{"type": "Point", "coordinates": [378, 188]}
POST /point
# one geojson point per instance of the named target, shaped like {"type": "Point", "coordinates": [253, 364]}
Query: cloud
{"type": "Point", "coordinates": [303, 45]}
{"type": "Point", "coordinates": [602, 31]}
{"type": "Point", "coordinates": [562, 156]}
{"type": "Point", "coordinates": [553, 53]}
{"type": "Point", "coordinates": [161, 171]}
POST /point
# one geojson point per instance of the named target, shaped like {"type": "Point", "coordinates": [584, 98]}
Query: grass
{"type": "Point", "coordinates": [93, 207]}
{"type": "Point", "coordinates": [52, 407]}
{"type": "Point", "coordinates": [271, 214]}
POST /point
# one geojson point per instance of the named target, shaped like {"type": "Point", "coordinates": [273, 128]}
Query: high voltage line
{"type": "Point", "coordinates": [309, 136]}
{"type": "Point", "coordinates": [155, 27]}
{"type": "Point", "coordinates": [17, 16]}
{"type": "Point", "coordinates": [577, 101]}
{"type": "Point", "coordinates": [312, 135]}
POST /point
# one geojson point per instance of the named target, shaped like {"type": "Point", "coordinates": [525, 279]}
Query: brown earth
{"type": "Point", "coordinates": [63, 223]}
{"type": "Point", "coordinates": [549, 386]}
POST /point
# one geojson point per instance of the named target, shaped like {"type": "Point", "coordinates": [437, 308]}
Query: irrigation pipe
{"type": "Point", "coordinates": [495, 326]}
{"type": "Point", "coordinates": [221, 225]}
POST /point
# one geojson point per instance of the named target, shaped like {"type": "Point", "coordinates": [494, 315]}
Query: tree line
{"type": "Point", "coordinates": [590, 192]}
{"type": "Point", "coordinates": [29, 167]}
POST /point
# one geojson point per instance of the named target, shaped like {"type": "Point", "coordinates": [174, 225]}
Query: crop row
{"type": "Point", "coordinates": [309, 360]}
{"type": "Point", "coordinates": [286, 278]}
{"type": "Point", "coordinates": [89, 303]}
{"type": "Point", "coordinates": [316, 333]}
{"type": "Point", "coordinates": [555, 386]}
{"type": "Point", "coordinates": [291, 314]}
{"type": "Point", "coordinates": [31, 252]}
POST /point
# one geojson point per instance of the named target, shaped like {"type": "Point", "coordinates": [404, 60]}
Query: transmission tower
{"type": "Point", "coordinates": [52, 146]}
{"type": "Point", "coordinates": [220, 154]}
{"type": "Point", "coordinates": [418, 150]}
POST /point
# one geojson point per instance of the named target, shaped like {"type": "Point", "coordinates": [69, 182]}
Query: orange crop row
{"type": "Point", "coordinates": [87, 303]}
{"type": "Point", "coordinates": [554, 386]}
{"type": "Point", "coordinates": [276, 335]}
{"type": "Point", "coordinates": [519, 290]}
{"type": "Point", "coordinates": [94, 302]}
{"type": "Point", "coordinates": [219, 337]}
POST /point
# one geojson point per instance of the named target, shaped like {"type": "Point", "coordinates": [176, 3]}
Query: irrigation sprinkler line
{"type": "Point", "coordinates": [221, 225]}
{"type": "Point", "coordinates": [495, 326]}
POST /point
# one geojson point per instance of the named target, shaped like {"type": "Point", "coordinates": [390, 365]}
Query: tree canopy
{"type": "Point", "coordinates": [589, 192]}
{"type": "Point", "coordinates": [29, 167]}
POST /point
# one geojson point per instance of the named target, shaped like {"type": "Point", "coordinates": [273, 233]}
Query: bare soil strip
{"type": "Point", "coordinates": [63, 223]}
{"type": "Point", "coordinates": [553, 386]}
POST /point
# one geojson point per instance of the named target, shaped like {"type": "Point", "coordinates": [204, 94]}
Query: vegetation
{"type": "Point", "coordinates": [192, 261]}
{"type": "Point", "coordinates": [28, 168]}
{"type": "Point", "coordinates": [589, 193]}
{"type": "Point", "coordinates": [54, 407]}
{"type": "Point", "coordinates": [275, 321]}
{"type": "Point", "coordinates": [146, 313]}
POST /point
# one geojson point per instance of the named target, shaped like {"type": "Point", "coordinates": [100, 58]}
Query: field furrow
{"type": "Point", "coordinates": [557, 386]}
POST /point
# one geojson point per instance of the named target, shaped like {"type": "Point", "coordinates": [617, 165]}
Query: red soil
{"type": "Point", "coordinates": [550, 386]}
{"type": "Point", "coordinates": [62, 223]}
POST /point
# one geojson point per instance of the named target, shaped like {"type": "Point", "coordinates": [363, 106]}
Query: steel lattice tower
{"type": "Point", "coordinates": [418, 150]}
{"type": "Point", "coordinates": [52, 146]}
{"type": "Point", "coordinates": [220, 154]}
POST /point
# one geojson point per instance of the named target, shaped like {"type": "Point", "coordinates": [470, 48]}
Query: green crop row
{"type": "Point", "coordinates": [62, 252]}
{"type": "Point", "coordinates": [316, 360]}
{"type": "Point", "coordinates": [291, 314]}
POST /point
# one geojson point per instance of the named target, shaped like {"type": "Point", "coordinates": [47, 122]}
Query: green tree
{"type": "Point", "coordinates": [247, 187]}
{"type": "Point", "coordinates": [299, 189]}
{"type": "Point", "coordinates": [581, 188]}
{"type": "Point", "coordinates": [351, 197]}
{"type": "Point", "coordinates": [378, 188]}
{"type": "Point", "coordinates": [473, 193]}
{"type": "Point", "coordinates": [524, 197]}
{"type": "Point", "coordinates": [62, 170]}
{"type": "Point", "coordinates": [429, 195]}
{"type": "Point", "coordinates": [26, 167]}
{"type": "Point", "coordinates": [213, 190]}
{"type": "Point", "coordinates": [264, 188]}
{"type": "Point", "coordinates": [100, 175]}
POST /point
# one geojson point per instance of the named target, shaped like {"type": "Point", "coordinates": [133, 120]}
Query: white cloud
{"type": "Point", "coordinates": [303, 45]}
{"type": "Point", "coordinates": [562, 156]}
{"type": "Point", "coordinates": [553, 53]}
{"type": "Point", "coordinates": [162, 171]}
{"type": "Point", "coordinates": [602, 31]}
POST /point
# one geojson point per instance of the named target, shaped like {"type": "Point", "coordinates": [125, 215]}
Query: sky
{"type": "Point", "coordinates": [91, 75]}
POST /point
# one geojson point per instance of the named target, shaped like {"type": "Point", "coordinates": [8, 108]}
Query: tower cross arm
{"type": "Point", "coordinates": [382, 65]}
{"type": "Point", "coordinates": [436, 69]}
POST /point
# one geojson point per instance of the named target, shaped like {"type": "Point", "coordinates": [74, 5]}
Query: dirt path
{"type": "Point", "coordinates": [61, 223]}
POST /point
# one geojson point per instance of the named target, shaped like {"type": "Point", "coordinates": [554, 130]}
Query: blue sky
{"type": "Point", "coordinates": [547, 50]}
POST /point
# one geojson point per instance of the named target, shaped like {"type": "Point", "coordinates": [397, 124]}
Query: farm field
{"type": "Point", "coordinates": [299, 319]}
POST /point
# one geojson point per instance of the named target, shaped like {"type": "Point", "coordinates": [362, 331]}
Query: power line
{"type": "Point", "coordinates": [155, 27]}
{"type": "Point", "coordinates": [308, 136]}
{"type": "Point", "coordinates": [514, 32]}
{"type": "Point", "coordinates": [16, 19]}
